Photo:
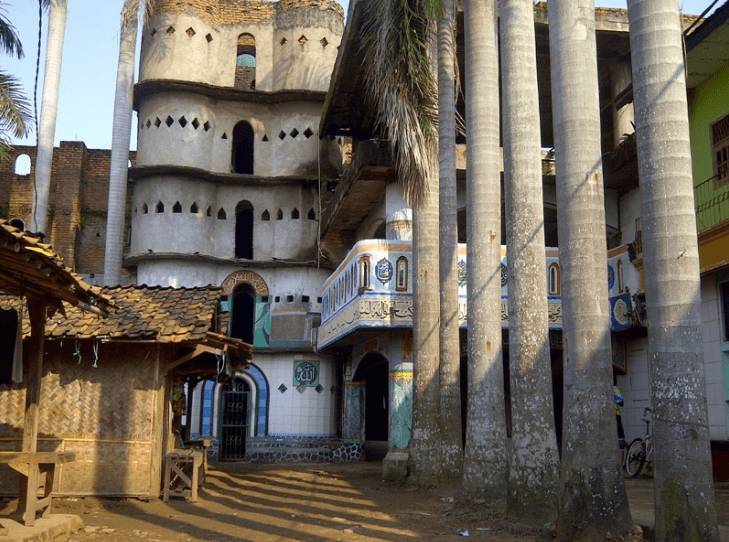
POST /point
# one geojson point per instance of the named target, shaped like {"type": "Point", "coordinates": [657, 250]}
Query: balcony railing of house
{"type": "Point", "coordinates": [712, 202]}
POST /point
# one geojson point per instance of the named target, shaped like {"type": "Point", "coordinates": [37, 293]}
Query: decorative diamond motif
{"type": "Point", "coordinates": [282, 388]}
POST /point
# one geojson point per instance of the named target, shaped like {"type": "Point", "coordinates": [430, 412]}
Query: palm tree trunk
{"type": "Point", "coordinates": [534, 465]}
{"type": "Point", "coordinates": [426, 458]}
{"type": "Point", "coordinates": [123, 103]}
{"type": "Point", "coordinates": [685, 508]}
{"type": "Point", "coordinates": [49, 112]}
{"type": "Point", "coordinates": [450, 355]}
{"type": "Point", "coordinates": [593, 499]}
{"type": "Point", "coordinates": [485, 469]}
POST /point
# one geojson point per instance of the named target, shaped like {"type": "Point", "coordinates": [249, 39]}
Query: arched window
{"type": "Point", "coordinates": [245, 63]}
{"type": "Point", "coordinates": [554, 279]}
{"type": "Point", "coordinates": [621, 284]}
{"type": "Point", "coordinates": [401, 278]}
{"type": "Point", "coordinates": [22, 164]}
{"type": "Point", "coordinates": [364, 273]}
{"type": "Point", "coordinates": [244, 230]}
{"type": "Point", "coordinates": [244, 313]}
{"type": "Point", "coordinates": [243, 148]}
{"type": "Point", "coordinates": [18, 223]}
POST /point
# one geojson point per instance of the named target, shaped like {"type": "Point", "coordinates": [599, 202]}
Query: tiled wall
{"type": "Point", "coordinates": [300, 413]}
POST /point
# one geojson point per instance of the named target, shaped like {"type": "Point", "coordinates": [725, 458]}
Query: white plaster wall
{"type": "Point", "coordinates": [184, 232]}
{"type": "Point", "coordinates": [295, 49]}
{"type": "Point", "coordinates": [294, 413]}
{"type": "Point", "coordinates": [712, 339]}
{"type": "Point", "coordinates": [175, 144]}
{"type": "Point", "coordinates": [288, 238]}
{"type": "Point", "coordinates": [305, 43]}
{"type": "Point", "coordinates": [277, 149]}
{"type": "Point", "coordinates": [376, 216]}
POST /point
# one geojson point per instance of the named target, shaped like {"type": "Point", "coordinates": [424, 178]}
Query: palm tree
{"type": "Point", "coordinates": [401, 91]}
{"type": "Point", "coordinates": [485, 468]}
{"type": "Point", "coordinates": [593, 499]}
{"type": "Point", "coordinates": [121, 134]}
{"type": "Point", "coordinates": [534, 466]}
{"type": "Point", "coordinates": [685, 508]}
{"type": "Point", "coordinates": [450, 356]}
{"type": "Point", "coordinates": [15, 113]}
{"type": "Point", "coordinates": [49, 112]}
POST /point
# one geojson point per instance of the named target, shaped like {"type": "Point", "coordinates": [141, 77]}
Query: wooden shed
{"type": "Point", "coordinates": [107, 385]}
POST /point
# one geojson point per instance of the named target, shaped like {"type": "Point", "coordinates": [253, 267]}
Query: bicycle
{"type": "Point", "coordinates": [640, 450]}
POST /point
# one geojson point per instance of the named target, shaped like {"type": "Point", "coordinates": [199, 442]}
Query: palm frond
{"type": "Point", "coordinates": [9, 40]}
{"type": "Point", "coordinates": [15, 113]}
{"type": "Point", "coordinates": [400, 86]}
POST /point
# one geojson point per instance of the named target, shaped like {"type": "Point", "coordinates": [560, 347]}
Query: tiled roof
{"type": "Point", "coordinates": [31, 268]}
{"type": "Point", "coordinates": [168, 315]}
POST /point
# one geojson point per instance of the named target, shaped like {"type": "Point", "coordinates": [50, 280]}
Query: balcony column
{"type": "Point", "coordinates": [394, 467]}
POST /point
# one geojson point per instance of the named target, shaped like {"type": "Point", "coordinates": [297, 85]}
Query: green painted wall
{"type": "Point", "coordinates": [710, 103]}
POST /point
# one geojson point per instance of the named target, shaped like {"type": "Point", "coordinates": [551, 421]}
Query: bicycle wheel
{"type": "Point", "coordinates": [635, 458]}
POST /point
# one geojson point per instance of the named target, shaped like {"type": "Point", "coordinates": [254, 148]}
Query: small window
{"type": "Point", "coordinates": [160, 208]}
{"type": "Point", "coordinates": [289, 299]}
{"type": "Point", "coordinates": [266, 216]}
{"type": "Point", "coordinates": [18, 223]}
{"type": "Point", "coordinates": [210, 211]}
{"type": "Point", "coordinates": [554, 279]}
{"type": "Point", "coordinates": [402, 274]}
{"type": "Point", "coordinates": [621, 286]}
{"type": "Point", "coordinates": [177, 208]}
{"type": "Point", "coordinates": [305, 298]}
{"type": "Point", "coordinates": [193, 208]}
{"type": "Point", "coordinates": [277, 299]}
{"type": "Point", "coordinates": [145, 209]}
{"type": "Point", "coordinates": [720, 147]}
{"type": "Point", "coordinates": [295, 214]}
{"type": "Point", "coordinates": [264, 299]}
{"type": "Point", "coordinates": [364, 273]}
{"type": "Point", "coordinates": [311, 215]}
{"type": "Point", "coordinates": [221, 214]}
{"type": "Point", "coordinates": [279, 215]}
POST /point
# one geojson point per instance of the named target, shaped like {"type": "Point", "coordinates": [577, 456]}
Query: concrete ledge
{"type": "Point", "coordinates": [54, 528]}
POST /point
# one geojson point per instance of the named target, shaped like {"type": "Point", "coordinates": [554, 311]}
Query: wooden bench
{"type": "Point", "coordinates": [201, 445]}
{"type": "Point", "coordinates": [182, 474]}
{"type": "Point", "coordinates": [31, 465]}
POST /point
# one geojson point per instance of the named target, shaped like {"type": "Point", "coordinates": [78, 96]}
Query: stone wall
{"type": "Point", "coordinates": [78, 201]}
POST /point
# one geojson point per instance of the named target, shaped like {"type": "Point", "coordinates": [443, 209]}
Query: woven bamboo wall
{"type": "Point", "coordinates": [105, 414]}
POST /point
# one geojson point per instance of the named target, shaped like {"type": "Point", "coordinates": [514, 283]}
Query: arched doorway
{"type": "Point", "coordinates": [245, 63]}
{"type": "Point", "coordinates": [244, 313]}
{"type": "Point", "coordinates": [373, 370]}
{"type": "Point", "coordinates": [233, 420]}
{"type": "Point", "coordinates": [244, 230]}
{"type": "Point", "coordinates": [243, 148]}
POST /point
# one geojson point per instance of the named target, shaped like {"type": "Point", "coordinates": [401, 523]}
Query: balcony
{"type": "Point", "coordinates": [371, 291]}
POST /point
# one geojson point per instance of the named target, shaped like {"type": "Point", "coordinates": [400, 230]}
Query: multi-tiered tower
{"type": "Point", "coordinates": [227, 188]}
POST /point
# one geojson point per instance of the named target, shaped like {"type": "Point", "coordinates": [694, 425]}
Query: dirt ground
{"type": "Point", "coordinates": [312, 502]}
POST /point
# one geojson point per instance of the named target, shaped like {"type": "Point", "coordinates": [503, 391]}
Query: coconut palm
{"type": "Point", "coordinates": [450, 358]}
{"type": "Point", "coordinates": [485, 464]}
{"type": "Point", "coordinates": [685, 508]}
{"type": "Point", "coordinates": [121, 134]}
{"type": "Point", "coordinates": [593, 499]}
{"type": "Point", "coordinates": [403, 95]}
{"type": "Point", "coordinates": [534, 468]}
{"type": "Point", "coordinates": [49, 113]}
{"type": "Point", "coordinates": [15, 113]}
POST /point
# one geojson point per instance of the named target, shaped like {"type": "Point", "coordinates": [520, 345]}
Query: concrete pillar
{"type": "Point", "coordinates": [399, 224]}
{"type": "Point", "coordinates": [394, 467]}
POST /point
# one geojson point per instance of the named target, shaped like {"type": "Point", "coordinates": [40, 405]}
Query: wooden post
{"type": "Point", "coordinates": [37, 310]}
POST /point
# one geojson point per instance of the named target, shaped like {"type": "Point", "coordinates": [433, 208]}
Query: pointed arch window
{"type": "Point", "coordinates": [621, 283]}
{"type": "Point", "coordinates": [242, 159]}
{"type": "Point", "coordinates": [554, 279]}
{"type": "Point", "coordinates": [244, 230]}
{"type": "Point", "coordinates": [401, 278]}
{"type": "Point", "coordinates": [245, 63]}
{"type": "Point", "coordinates": [364, 273]}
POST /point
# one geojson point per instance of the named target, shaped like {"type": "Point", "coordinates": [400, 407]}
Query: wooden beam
{"type": "Point", "coordinates": [187, 357]}
{"type": "Point", "coordinates": [37, 310]}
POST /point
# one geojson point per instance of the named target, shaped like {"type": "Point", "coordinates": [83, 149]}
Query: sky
{"type": "Point", "coordinates": [90, 56]}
